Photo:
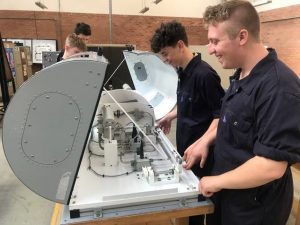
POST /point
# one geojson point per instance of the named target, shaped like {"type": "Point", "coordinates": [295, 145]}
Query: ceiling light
{"type": "Point", "coordinates": [157, 1]}
{"type": "Point", "coordinates": [41, 5]}
{"type": "Point", "coordinates": [145, 9]}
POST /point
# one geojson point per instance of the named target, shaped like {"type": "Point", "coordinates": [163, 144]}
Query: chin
{"type": "Point", "coordinates": [226, 66]}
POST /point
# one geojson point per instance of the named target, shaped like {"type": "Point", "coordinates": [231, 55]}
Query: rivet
{"type": "Point", "coordinates": [87, 84]}
{"type": "Point", "coordinates": [76, 118]}
{"type": "Point", "coordinates": [67, 150]}
{"type": "Point", "coordinates": [47, 96]}
{"type": "Point", "coordinates": [235, 123]}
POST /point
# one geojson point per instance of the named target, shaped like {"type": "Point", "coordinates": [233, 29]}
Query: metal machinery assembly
{"type": "Point", "coordinates": [98, 152]}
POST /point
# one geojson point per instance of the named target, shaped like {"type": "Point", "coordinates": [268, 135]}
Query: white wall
{"type": "Point", "coordinates": [172, 8]}
{"type": "Point", "coordinates": [178, 8]}
{"type": "Point", "coordinates": [276, 4]}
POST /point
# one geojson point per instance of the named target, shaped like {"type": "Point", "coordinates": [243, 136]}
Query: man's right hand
{"type": "Point", "coordinates": [165, 124]}
{"type": "Point", "coordinates": [197, 152]}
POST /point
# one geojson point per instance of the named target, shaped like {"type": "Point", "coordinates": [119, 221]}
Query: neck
{"type": "Point", "coordinates": [255, 53]}
{"type": "Point", "coordinates": [188, 56]}
{"type": "Point", "coordinates": [64, 56]}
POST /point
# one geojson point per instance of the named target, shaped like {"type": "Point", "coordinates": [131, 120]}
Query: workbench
{"type": "Point", "coordinates": [164, 217]}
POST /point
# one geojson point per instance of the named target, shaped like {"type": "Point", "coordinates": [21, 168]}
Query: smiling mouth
{"type": "Point", "coordinates": [219, 58]}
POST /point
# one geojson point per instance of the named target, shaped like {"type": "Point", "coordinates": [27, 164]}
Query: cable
{"type": "Point", "coordinates": [114, 72]}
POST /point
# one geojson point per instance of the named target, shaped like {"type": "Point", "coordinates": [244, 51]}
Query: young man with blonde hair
{"type": "Point", "coordinates": [257, 139]}
{"type": "Point", "coordinates": [83, 31]}
{"type": "Point", "coordinates": [73, 45]}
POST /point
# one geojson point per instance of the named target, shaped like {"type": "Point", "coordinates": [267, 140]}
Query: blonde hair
{"type": "Point", "coordinates": [73, 40]}
{"type": "Point", "coordinates": [241, 14]}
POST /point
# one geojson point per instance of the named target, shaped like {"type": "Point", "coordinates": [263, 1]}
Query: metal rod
{"type": "Point", "coordinates": [110, 21]}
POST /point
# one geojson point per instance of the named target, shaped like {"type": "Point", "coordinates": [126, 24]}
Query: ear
{"type": "Point", "coordinates": [180, 44]}
{"type": "Point", "coordinates": [243, 36]}
{"type": "Point", "coordinates": [67, 47]}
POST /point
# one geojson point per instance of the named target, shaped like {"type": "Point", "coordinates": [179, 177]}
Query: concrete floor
{"type": "Point", "coordinates": [20, 206]}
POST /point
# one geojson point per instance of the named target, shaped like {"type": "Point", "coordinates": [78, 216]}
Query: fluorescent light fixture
{"type": "Point", "coordinates": [157, 1]}
{"type": "Point", "coordinates": [260, 2]}
{"type": "Point", "coordinates": [145, 9]}
{"type": "Point", "coordinates": [41, 5]}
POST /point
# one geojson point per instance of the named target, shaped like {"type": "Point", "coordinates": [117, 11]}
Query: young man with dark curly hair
{"type": "Point", "coordinates": [199, 94]}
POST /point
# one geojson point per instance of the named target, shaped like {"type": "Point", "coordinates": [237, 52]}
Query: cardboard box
{"type": "Point", "coordinates": [19, 78]}
{"type": "Point", "coordinates": [10, 56]}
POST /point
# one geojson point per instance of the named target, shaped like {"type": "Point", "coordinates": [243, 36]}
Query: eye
{"type": "Point", "coordinates": [214, 41]}
{"type": "Point", "coordinates": [164, 54]}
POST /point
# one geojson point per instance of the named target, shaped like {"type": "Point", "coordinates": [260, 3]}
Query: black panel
{"type": "Point", "coordinates": [114, 55]}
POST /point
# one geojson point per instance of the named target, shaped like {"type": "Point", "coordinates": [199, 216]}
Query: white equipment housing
{"type": "Point", "coordinates": [98, 158]}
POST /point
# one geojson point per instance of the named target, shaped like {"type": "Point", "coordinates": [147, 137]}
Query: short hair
{"type": "Point", "coordinates": [168, 35]}
{"type": "Point", "coordinates": [241, 13]}
{"type": "Point", "coordinates": [83, 28]}
{"type": "Point", "coordinates": [73, 40]}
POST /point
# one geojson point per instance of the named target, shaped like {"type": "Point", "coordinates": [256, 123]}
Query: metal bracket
{"type": "Point", "coordinates": [98, 213]}
{"type": "Point", "coordinates": [182, 202]}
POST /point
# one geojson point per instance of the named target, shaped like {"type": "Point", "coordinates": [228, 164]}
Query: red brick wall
{"type": "Point", "coordinates": [280, 29]}
{"type": "Point", "coordinates": [126, 29]}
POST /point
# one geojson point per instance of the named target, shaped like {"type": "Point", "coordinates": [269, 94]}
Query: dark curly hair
{"type": "Point", "coordinates": [168, 35]}
{"type": "Point", "coordinates": [83, 28]}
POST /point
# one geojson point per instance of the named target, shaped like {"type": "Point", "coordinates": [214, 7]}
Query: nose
{"type": "Point", "coordinates": [211, 49]}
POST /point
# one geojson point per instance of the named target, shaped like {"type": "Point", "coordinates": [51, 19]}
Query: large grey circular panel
{"type": "Point", "coordinates": [47, 124]}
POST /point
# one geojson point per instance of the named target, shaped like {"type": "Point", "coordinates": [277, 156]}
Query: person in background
{"type": "Point", "coordinates": [199, 94]}
{"type": "Point", "coordinates": [73, 45]}
{"type": "Point", "coordinates": [83, 31]}
{"type": "Point", "coordinates": [257, 139]}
